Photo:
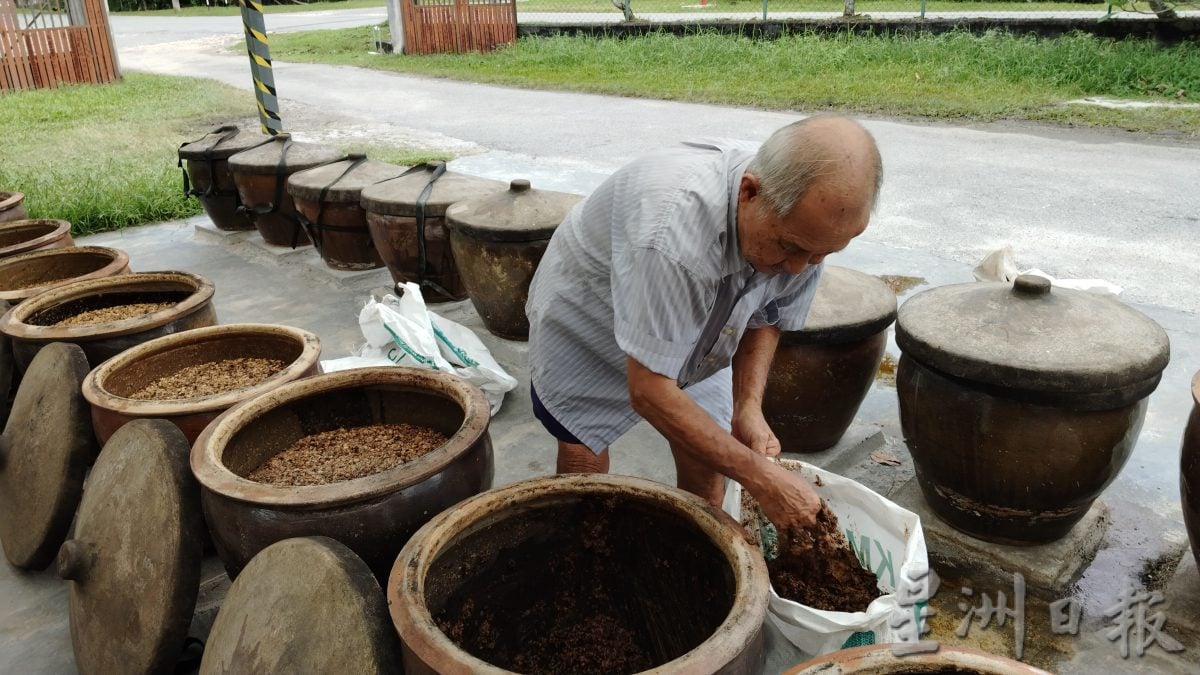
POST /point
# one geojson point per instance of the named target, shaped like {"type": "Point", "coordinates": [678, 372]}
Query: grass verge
{"type": "Point", "coordinates": [103, 156]}
{"type": "Point", "coordinates": [716, 7]}
{"type": "Point", "coordinates": [952, 76]}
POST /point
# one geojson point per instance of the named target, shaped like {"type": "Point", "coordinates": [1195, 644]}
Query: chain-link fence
{"type": "Point", "coordinates": [616, 11]}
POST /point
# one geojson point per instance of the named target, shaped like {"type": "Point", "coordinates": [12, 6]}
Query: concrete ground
{"type": "Point", "coordinates": [1076, 203]}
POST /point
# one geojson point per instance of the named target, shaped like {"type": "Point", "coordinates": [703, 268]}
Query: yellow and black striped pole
{"type": "Point", "coordinates": [260, 66]}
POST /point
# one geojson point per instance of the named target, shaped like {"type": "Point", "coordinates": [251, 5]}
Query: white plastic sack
{"type": "Point", "coordinates": [887, 539]}
{"type": "Point", "coordinates": [402, 331]}
{"type": "Point", "coordinates": [1000, 266]}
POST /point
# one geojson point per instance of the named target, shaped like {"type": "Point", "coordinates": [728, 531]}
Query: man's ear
{"type": "Point", "coordinates": [749, 187]}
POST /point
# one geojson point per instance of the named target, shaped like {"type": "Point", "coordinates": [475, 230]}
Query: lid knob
{"type": "Point", "coordinates": [1031, 284]}
{"type": "Point", "coordinates": [519, 185]}
{"type": "Point", "coordinates": [282, 136]}
{"type": "Point", "coordinates": [355, 156]}
{"type": "Point", "coordinates": [75, 558]}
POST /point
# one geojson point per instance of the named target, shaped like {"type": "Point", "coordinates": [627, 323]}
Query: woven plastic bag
{"type": "Point", "coordinates": [887, 539]}
{"type": "Point", "coordinates": [400, 330]}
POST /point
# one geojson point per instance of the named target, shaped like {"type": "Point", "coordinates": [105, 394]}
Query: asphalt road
{"type": "Point", "coordinates": [1075, 203]}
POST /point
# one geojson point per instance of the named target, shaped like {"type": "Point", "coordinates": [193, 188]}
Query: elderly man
{"type": "Point", "coordinates": [663, 294]}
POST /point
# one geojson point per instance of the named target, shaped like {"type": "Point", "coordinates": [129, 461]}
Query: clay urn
{"type": "Point", "coordinates": [23, 236]}
{"type": "Point", "coordinates": [186, 299]}
{"type": "Point", "coordinates": [1189, 474]}
{"type": "Point", "coordinates": [114, 388]}
{"type": "Point", "coordinates": [12, 206]}
{"type": "Point", "coordinates": [1020, 402]}
{"type": "Point", "coordinates": [407, 218]}
{"type": "Point", "coordinates": [373, 515]}
{"type": "Point", "coordinates": [498, 240]}
{"type": "Point", "coordinates": [822, 373]}
{"type": "Point", "coordinates": [25, 275]}
{"type": "Point", "coordinates": [895, 659]}
{"type": "Point", "coordinates": [606, 573]}
{"type": "Point", "coordinates": [261, 175]}
{"type": "Point", "coordinates": [327, 199]}
{"type": "Point", "coordinates": [206, 174]}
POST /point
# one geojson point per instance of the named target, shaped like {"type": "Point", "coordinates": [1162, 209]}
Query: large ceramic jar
{"type": "Point", "coordinates": [822, 373]}
{"type": "Point", "coordinates": [12, 206]}
{"type": "Point", "coordinates": [23, 236]}
{"type": "Point", "coordinates": [112, 387]}
{"type": "Point", "coordinates": [1021, 403]}
{"type": "Point", "coordinates": [373, 515]}
{"type": "Point", "coordinates": [25, 275]}
{"type": "Point", "coordinates": [261, 175]}
{"type": "Point", "coordinates": [498, 241]}
{"type": "Point", "coordinates": [407, 217]}
{"type": "Point", "coordinates": [207, 176]}
{"type": "Point", "coordinates": [580, 573]}
{"type": "Point", "coordinates": [327, 199]}
{"type": "Point", "coordinates": [32, 324]}
{"type": "Point", "coordinates": [1189, 474]}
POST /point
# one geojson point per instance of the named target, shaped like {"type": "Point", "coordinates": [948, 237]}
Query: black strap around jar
{"type": "Point", "coordinates": [314, 227]}
{"type": "Point", "coordinates": [423, 280]}
{"type": "Point", "coordinates": [206, 156]}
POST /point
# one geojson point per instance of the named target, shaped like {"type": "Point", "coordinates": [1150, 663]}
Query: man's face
{"type": "Point", "coordinates": [822, 222]}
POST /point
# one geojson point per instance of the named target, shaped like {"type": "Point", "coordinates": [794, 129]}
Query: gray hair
{"type": "Point", "coordinates": [794, 158]}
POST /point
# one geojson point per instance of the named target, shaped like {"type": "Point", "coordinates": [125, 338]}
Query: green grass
{"type": "Point", "coordinates": [655, 6]}
{"type": "Point", "coordinates": [951, 76]}
{"type": "Point", "coordinates": [103, 156]}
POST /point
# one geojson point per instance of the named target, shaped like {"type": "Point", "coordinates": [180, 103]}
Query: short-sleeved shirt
{"type": "Point", "coordinates": [648, 267]}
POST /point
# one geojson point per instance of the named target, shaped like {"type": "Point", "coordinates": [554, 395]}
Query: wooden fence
{"type": "Point", "coordinates": [434, 26]}
{"type": "Point", "coordinates": [53, 42]}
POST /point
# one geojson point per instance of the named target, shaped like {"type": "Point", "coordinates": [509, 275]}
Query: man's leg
{"type": "Point", "coordinates": [578, 458]}
{"type": "Point", "coordinates": [698, 479]}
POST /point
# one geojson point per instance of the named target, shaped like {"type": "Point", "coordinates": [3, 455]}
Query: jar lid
{"type": "Point", "coordinates": [136, 550]}
{"type": "Point", "coordinates": [266, 159]}
{"type": "Point", "coordinates": [520, 213]}
{"type": "Point", "coordinates": [345, 180]}
{"type": "Point", "coordinates": [848, 306]}
{"type": "Point", "coordinates": [399, 197]}
{"type": "Point", "coordinates": [45, 451]}
{"type": "Point", "coordinates": [1028, 336]}
{"type": "Point", "coordinates": [221, 143]}
{"type": "Point", "coordinates": [305, 604]}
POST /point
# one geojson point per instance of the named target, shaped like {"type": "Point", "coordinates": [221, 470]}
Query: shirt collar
{"type": "Point", "coordinates": [734, 261]}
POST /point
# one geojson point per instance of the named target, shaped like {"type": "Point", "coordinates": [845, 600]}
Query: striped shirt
{"type": "Point", "coordinates": [648, 266]}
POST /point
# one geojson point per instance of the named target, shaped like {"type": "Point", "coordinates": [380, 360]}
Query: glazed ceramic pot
{"type": "Point", "coordinates": [891, 660]}
{"type": "Point", "coordinates": [408, 226]}
{"type": "Point", "coordinates": [208, 178]}
{"type": "Point", "coordinates": [109, 387]}
{"type": "Point", "coordinates": [327, 199]}
{"type": "Point", "coordinates": [31, 324]}
{"type": "Point", "coordinates": [661, 567]}
{"type": "Point", "coordinates": [25, 275]}
{"type": "Point", "coordinates": [1020, 403]}
{"type": "Point", "coordinates": [261, 175]}
{"type": "Point", "coordinates": [822, 373]}
{"type": "Point", "coordinates": [1189, 474]}
{"type": "Point", "coordinates": [23, 236]}
{"type": "Point", "coordinates": [12, 206]}
{"type": "Point", "coordinates": [373, 515]}
{"type": "Point", "coordinates": [498, 241]}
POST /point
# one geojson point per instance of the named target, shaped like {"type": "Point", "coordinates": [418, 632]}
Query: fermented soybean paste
{"type": "Point", "coordinates": [593, 586]}
{"type": "Point", "coordinates": [817, 568]}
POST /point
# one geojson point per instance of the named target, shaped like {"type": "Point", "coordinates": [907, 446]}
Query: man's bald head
{"type": "Point", "coordinates": [815, 149]}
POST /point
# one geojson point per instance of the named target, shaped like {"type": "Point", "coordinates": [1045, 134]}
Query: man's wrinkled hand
{"type": "Point", "coordinates": [751, 428]}
{"type": "Point", "coordinates": [788, 501]}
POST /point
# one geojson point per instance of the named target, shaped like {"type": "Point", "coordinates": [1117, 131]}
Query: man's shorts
{"type": "Point", "coordinates": [552, 425]}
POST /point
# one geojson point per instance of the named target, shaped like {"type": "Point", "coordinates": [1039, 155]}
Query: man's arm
{"type": "Point", "coordinates": [784, 496]}
{"type": "Point", "coordinates": [751, 365]}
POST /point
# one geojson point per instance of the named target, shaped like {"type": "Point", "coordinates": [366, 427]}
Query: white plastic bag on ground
{"type": "Point", "coordinates": [400, 330]}
{"type": "Point", "coordinates": [1000, 266]}
{"type": "Point", "coordinates": [887, 539]}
